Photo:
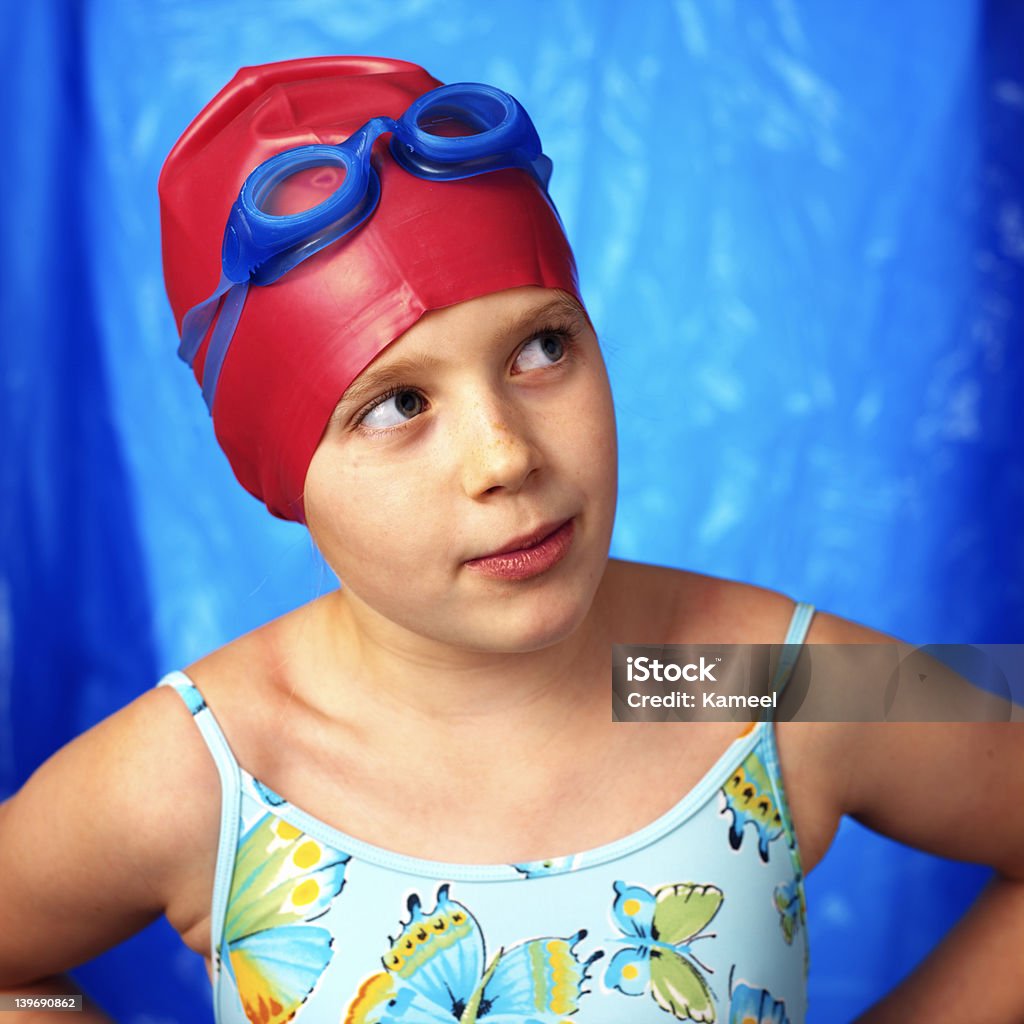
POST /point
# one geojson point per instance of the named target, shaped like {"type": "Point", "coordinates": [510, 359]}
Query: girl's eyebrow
{"type": "Point", "coordinates": [560, 306]}
{"type": "Point", "coordinates": [371, 382]}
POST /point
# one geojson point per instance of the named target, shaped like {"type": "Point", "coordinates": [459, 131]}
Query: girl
{"type": "Point", "coordinates": [406, 800]}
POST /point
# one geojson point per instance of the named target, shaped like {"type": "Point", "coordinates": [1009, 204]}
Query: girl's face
{"type": "Point", "coordinates": [487, 426]}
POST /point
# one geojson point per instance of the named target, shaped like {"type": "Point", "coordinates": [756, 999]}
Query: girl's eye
{"type": "Point", "coordinates": [394, 409]}
{"type": "Point", "coordinates": [546, 349]}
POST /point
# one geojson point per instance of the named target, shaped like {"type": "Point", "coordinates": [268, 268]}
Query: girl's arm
{"type": "Point", "coordinates": [974, 974]}
{"type": "Point", "coordinates": [955, 790]}
{"type": "Point", "coordinates": [92, 845]}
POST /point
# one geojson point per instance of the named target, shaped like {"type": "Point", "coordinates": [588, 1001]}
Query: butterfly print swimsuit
{"type": "Point", "coordinates": [700, 916]}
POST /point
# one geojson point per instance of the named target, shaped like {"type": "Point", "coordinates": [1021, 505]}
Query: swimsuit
{"type": "Point", "coordinates": [698, 916]}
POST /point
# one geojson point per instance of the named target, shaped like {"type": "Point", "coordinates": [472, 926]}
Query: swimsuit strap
{"type": "Point", "coordinates": [800, 623]}
{"type": "Point", "coordinates": [231, 799]}
{"type": "Point", "coordinates": [792, 644]}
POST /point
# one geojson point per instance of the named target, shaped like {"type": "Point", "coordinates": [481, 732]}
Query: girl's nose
{"type": "Point", "coordinates": [497, 452]}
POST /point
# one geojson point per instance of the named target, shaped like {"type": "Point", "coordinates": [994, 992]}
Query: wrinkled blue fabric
{"type": "Point", "coordinates": [800, 231]}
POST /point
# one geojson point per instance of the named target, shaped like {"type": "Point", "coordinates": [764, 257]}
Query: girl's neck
{"type": "Point", "coordinates": [392, 672]}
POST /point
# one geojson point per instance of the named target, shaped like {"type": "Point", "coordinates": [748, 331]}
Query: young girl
{"type": "Point", "coordinates": [407, 800]}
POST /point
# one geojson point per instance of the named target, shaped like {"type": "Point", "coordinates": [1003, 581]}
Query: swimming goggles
{"type": "Point", "coordinates": [259, 247]}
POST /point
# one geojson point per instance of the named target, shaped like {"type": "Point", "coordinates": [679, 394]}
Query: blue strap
{"type": "Point", "coordinates": [799, 623]}
{"type": "Point", "coordinates": [792, 644]}
{"type": "Point", "coordinates": [228, 298]}
{"type": "Point", "coordinates": [197, 322]}
{"type": "Point", "coordinates": [230, 808]}
{"type": "Point", "coordinates": [231, 310]}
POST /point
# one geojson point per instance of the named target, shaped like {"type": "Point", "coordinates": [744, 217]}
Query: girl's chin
{"type": "Point", "coordinates": [523, 634]}
{"type": "Point", "coordinates": [542, 619]}
{"type": "Point", "coordinates": [487, 616]}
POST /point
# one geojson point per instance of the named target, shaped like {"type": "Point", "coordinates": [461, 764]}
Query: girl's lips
{"type": "Point", "coordinates": [525, 563]}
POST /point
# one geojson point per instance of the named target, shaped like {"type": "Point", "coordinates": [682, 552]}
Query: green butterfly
{"type": "Point", "coordinates": [660, 930]}
{"type": "Point", "coordinates": [283, 880]}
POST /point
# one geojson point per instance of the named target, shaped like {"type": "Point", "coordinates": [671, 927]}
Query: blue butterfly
{"type": "Point", "coordinates": [660, 929]}
{"type": "Point", "coordinates": [436, 972]}
{"type": "Point", "coordinates": [268, 795]}
{"type": "Point", "coordinates": [283, 879]}
{"type": "Point", "coordinates": [551, 866]}
{"type": "Point", "coordinates": [754, 1005]}
{"type": "Point", "coordinates": [789, 902]}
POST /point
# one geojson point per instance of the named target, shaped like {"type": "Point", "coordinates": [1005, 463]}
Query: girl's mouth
{"type": "Point", "coordinates": [528, 561]}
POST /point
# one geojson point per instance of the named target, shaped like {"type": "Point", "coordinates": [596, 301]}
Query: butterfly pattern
{"type": "Point", "coordinates": [750, 800]}
{"type": "Point", "coordinates": [437, 972]}
{"type": "Point", "coordinates": [789, 902]}
{"type": "Point", "coordinates": [660, 929]}
{"type": "Point", "coordinates": [551, 866]}
{"type": "Point", "coordinates": [267, 795]}
{"type": "Point", "coordinates": [749, 1005]}
{"type": "Point", "coordinates": [283, 879]}
{"type": "Point", "coordinates": [789, 898]}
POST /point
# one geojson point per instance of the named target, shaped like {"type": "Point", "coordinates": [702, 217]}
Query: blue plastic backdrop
{"type": "Point", "coordinates": [800, 232]}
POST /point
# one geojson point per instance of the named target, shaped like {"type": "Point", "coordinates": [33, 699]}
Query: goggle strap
{"type": "Point", "coordinates": [223, 332]}
{"type": "Point", "coordinates": [197, 322]}
{"type": "Point", "coordinates": [542, 167]}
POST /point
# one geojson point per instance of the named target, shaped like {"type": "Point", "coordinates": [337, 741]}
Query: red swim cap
{"type": "Point", "coordinates": [303, 339]}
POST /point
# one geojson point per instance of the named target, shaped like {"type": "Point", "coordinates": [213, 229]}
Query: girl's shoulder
{"type": "Point", "coordinates": [125, 815]}
{"type": "Point", "coordinates": [658, 604]}
{"type": "Point", "coordinates": [136, 798]}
